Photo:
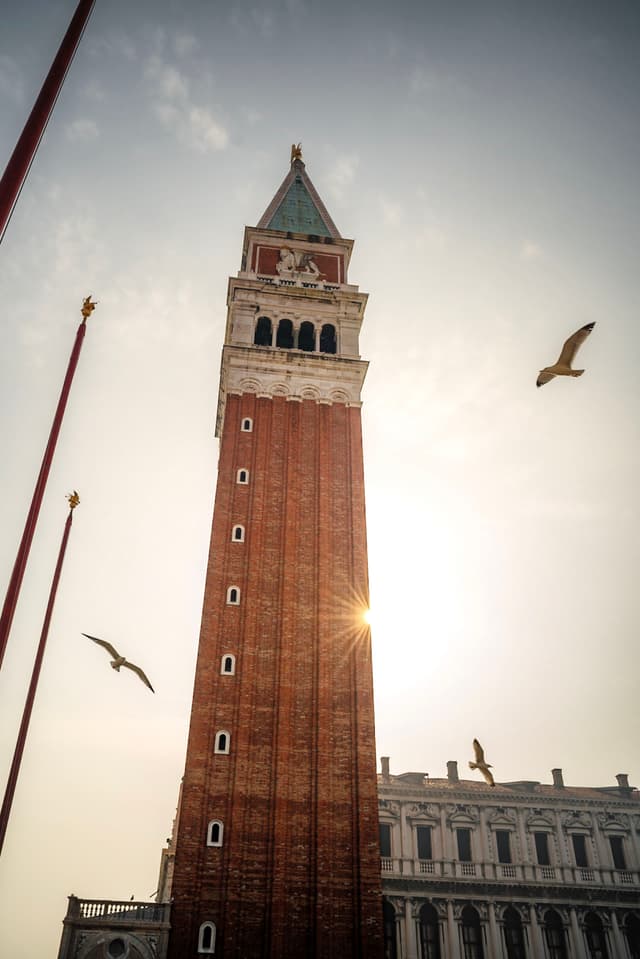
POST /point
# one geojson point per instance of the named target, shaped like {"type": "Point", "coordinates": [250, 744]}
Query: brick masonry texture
{"type": "Point", "coordinates": [298, 874]}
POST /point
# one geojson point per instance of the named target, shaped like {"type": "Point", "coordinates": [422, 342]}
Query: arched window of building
{"type": "Point", "coordinates": [222, 742]}
{"type": "Point", "coordinates": [262, 335]}
{"type": "Point", "coordinates": [207, 938]}
{"type": "Point", "coordinates": [632, 932]}
{"type": "Point", "coordinates": [554, 934]}
{"type": "Point", "coordinates": [247, 425]}
{"type": "Point", "coordinates": [307, 337]}
{"type": "Point", "coordinates": [284, 338]}
{"type": "Point", "coordinates": [596, 940]}
{"type": "Point", "coordinates": [233, 596]}
{"type": "Point", "coordinates": [429, 933]}
{"type": "Point", "coordinates": [215, 830]}
{"type": "Point", "coordinates": [238, 534]}
{"type": "Point", "coordinates": [328, 339]}
{"type": "Point", "coordinates": [513, 934]}
{"type": "Point", "coordinates": [228, 665]}
{"type": "Point", "coordinates": [242, 477]}
{"type": "Point", "coordinates": [471, 934]}
{"type": "Point", "coordinates": [389, 927]}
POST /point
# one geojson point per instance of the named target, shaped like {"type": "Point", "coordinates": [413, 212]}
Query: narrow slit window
{"type": "Point", "coordinates": [247, 425]}
{"type": "Point", "coordinates": [580, 850]}
{"type": "Point", "coordinates": [542, 848]}
{"type": "Point", "coordinates": [214, 833]}
{"type": "Point", "coordinates": [242, 477]}
{"type": "Point", "coordinates": [385, 840]}
{"type": "Point", "coordinates": [207, 939]}
{"type": "Point", "coordinates": [222, 742]}
{"type": "Point", "coordinates": [423, 836]}
{"type": "Point", "coordinates": [463, 837]}
{"type": "Point", "coordinates": [617, 852]}
{"type": "Point", "coordinates": [228, 665]}
{"type": "Point", "coordinates": [233, 596]}
{"type": "Point", "coordinates": [503, 842]}
{"type": "Point", "coordinates": [238, 534]}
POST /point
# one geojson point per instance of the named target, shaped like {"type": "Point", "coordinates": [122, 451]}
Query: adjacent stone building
{"type": "Point", "coordinates": [519, 870]}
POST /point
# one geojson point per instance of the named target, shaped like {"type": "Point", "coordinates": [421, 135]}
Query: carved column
{"type": "Point", "coordinates": [317, 339]}
{"type": "Point", "coordinates": [410, 930]}
{"type": "Point", "coordinates": [446, 843]}
{"type": "Point", "coordinates": [452, 933]}
{"type": "Point", "coordinates": [484, 847]}
{"type": "Point", "coordinates": [494, 934]}
{"type": "Point", "coordinates": [578, 937]}
{"type": "Point", "coordinates": [619, 947]}
{"type": "Point", "coordinates": [525, 854]}
{"type": "Point", "coordinates": [537, 945]}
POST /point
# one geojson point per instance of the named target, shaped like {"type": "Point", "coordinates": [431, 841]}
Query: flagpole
{"type": "Point", "coordinates": [74, 499]}
{"type": "Point", "coordinates": [13, 590]}
{"type": "Point", "coordinates": [25, 149]}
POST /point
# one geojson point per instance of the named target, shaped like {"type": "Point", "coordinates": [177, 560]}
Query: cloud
{"type": "Point", "coordinates": [195, 126]}
{"type": "Point", "coordinates": [11, 85]}
{"type": "Point", "coordinates": [82, 130]}
{"type": "Point", "coordinates": [530, 251]}
{"type": "Point", "coordinates": [392, 213]}
{"type": "Point", "coordinates": [341, 174]}
{"type": "Point", "coordinates": [184, 44]}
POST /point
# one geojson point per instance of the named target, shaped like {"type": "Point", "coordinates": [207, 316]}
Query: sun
{"type": "Point", "coordinates": [367, 617]}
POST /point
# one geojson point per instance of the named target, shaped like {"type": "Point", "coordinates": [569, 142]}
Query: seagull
{"type": "Point", "coordinates": [569, 350]}
{"type": "Point", "coordinates": [481, 764]}
{"type": "Point", "coordinates": [119, 660]}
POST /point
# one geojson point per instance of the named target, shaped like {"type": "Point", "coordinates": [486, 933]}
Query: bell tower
{"type": "Point", "coordinates": [276, 851]}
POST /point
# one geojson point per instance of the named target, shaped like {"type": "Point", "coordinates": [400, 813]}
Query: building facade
{"type": "Point", "coordinates": [511, 872]}
{"type": "Point", "coordinates": [276, 853]}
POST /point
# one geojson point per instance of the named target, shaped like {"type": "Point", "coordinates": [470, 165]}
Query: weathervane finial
{"type": "Point", "coordinates": [296, 151]}
{"type": "Point", "coordinates": [88, 306]}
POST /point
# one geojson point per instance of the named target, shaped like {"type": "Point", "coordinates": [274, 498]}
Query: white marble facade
{"type": "Point", "coordinates": [520, 870]}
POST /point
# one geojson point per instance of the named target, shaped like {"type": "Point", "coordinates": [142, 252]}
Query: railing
{"type": "Point", "coordinates": [113, 910]}
{"type": "Point", "coordinates": [498, 872]}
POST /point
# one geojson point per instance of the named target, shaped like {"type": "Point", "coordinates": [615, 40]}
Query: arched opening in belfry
{"type": "Point", "coordinates": [307, 337]}
{"type": "Point", "coordinates": [328, 339]}
{"type": "Point", "coordinates": [262, 336]}
{"type": "Point", "coordinates": [284, 338]}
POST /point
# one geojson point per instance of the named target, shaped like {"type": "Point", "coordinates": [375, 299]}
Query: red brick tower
{"type": "Point", "coordinates": [277, 853]}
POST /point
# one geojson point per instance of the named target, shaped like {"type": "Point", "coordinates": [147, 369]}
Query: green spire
{"type": "Point", "coordinates": [297, 208]}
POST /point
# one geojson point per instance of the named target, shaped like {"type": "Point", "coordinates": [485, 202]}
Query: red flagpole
{"type": "Point", "coordinates": [74, 499]}
{"type": "Point", "coordinates": [25, 149]}
{"type": "Point", "coordinates": [13, 590]}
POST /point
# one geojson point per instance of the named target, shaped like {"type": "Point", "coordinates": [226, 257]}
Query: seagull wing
{"type": "Point", "coordinates": [102, 642]}
{"type": "Point", "coordinates": [488, 775]}
{"type": "Point", "coordinates": [545, 378]}
{"type": "Point", "coordinates": [572, 345]}
{"type": "Point", "coordinates": [479, 752]}
{"type": "Point", "coordinates": [140, 673]}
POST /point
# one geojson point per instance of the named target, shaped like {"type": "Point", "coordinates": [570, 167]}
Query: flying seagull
{"type": "Point", "coordinates": [481, 764]}
{"type": "Point", "coordinates": [119, 660]}
{"type": "Point", "coordinates": [569, 350]}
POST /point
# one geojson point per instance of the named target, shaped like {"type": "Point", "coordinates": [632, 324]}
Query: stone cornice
{"type": "Point", "coordinates": [571, 894]}
{"type": "Point", "coordinates": [294, 374]}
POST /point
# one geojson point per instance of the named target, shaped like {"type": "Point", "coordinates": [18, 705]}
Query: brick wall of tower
{"type": "Point", "coordinates": [298, 871]}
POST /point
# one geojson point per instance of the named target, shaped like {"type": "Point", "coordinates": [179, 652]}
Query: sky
{"type": "Point", "coordinates": [485, 158]}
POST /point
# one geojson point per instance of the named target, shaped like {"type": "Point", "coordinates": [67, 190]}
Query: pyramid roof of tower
{"type": "Point", "coordinates": [297, 207]}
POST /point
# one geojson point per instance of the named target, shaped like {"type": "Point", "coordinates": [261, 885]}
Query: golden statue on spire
{"type": "Point", "coordinates": [88, 306]}
{"type": "Point", "coordinates": [296, 151]}
{"type": "Point", "coordinates": [74, 499]}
